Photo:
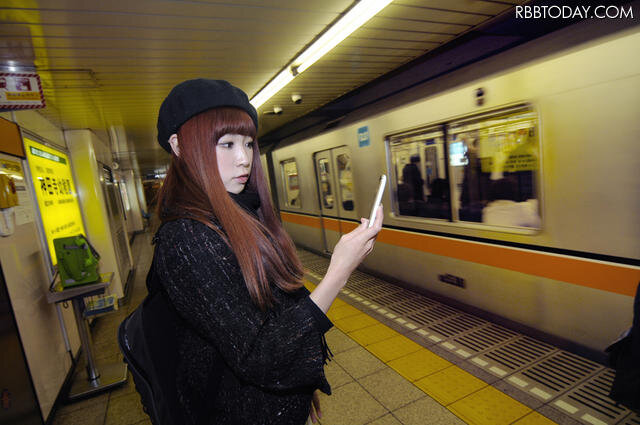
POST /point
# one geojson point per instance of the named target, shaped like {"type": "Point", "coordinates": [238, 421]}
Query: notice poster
{"type": "Point", "coordinates": [21, 91]}
{"type": "Point", "coordinates": [55, 192]}
{"type": "Point", "coordinates": [509, 144]}
{"type": "Point", "coordinates": [24, 210]}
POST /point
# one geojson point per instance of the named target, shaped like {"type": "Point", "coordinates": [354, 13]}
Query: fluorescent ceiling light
{"type": "Point", "coordinates": [272, 88]}
{"type": "Point", "coordinates": [354, 19]}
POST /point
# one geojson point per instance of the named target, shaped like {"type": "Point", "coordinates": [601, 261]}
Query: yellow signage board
{"type": "Point", "coordinates": [55, 191]}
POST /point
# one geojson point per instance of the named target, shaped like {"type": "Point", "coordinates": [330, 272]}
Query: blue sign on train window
{"type": "Point", "coordinates": [363, 136]}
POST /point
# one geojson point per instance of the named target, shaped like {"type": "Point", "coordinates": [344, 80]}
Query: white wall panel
{"type": "Point", "coordinates": [84, 148]}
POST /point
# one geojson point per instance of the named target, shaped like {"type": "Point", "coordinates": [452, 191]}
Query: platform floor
{"type": "Point", "coordinates": [401, 358]}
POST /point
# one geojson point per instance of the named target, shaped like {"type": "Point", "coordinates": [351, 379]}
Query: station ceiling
{"type": "Point", "coordinates": [105, 63]}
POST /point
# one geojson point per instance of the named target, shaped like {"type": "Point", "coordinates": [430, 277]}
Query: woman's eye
{"type": "Point", "coordinates": [226, 145]}
{"type": "Point", "coordinates": [249, 144]}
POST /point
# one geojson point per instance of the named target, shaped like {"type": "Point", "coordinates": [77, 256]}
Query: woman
{"type": "Point", "coordinates": [250, 338]}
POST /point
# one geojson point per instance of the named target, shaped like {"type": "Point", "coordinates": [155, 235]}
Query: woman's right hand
{"type": "Point", "coordinates": [353, 247]}
{"type": "Point", "coordinates": [348, 253]}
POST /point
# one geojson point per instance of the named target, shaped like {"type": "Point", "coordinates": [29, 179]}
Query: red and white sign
{"type": "Point", "coordinates": [21, 91]}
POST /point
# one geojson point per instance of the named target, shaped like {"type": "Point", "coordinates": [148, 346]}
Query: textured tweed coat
{"type": "Point", "coordinates": [236, 364]}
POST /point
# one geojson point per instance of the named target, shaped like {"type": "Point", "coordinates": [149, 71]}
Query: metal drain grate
{"type": "Point", "coordinates": [357, 277]}
{"type": "Point", "coordinates": [361, 285]}
{"type": "Point", "coordinates": [513, 356]}
{"type": "Point", "coordinates": [554, 375]}
{"type": "Point", "coordinates": [433, 315]}
{"type": "Point", "coordinates": [479, 340]}
{"type": "Point", "coordinates": [377, 291]}
{"type": "Point", "coordinates": [395, 297]}
{"type": "Point", "coordinates": [413, 305]}
{"type": "Point", "coordinates": [590, 402]}
{"type": "Point", "coordinates": [455, 326]}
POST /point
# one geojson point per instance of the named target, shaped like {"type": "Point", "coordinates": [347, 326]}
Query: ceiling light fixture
{"type": "Point", "coordinates": [272, 88]}
{"type": "Point", "coordinates": [351, 21]}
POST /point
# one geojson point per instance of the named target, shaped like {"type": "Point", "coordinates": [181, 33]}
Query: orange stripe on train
{"type": "Point", "coordinates": [607, 277]}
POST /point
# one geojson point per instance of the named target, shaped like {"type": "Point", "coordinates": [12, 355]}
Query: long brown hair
{"type": "Point", "coordinates": [193, 188]}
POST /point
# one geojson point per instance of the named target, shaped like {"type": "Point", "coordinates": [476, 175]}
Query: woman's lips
{"type": "Point", "coordinates": [242, 179]}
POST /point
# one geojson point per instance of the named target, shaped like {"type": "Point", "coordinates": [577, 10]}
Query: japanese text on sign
{"type": "Point", "coordinates": [55, 191]}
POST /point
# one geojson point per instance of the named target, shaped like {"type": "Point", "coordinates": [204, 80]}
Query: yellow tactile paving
{"type": "Point", "coordinates": [372, 334]}
{"type": "Point", "coordinates": [310, 286]}
{"type": "Point", "coordinates": [393, 348]}
{"type": "Point", "coordinates": [355, 322]}
{"type": "Point", "coordinates": [337, 313]}
{"type": "Point", "coordinates": [418, 364]}
{"type": "Point", "coordinates": [450, 385]}
{"type": "Point", "coordinates": [489, 406]}
{"type": "Point", "coordinates": [534, 418]}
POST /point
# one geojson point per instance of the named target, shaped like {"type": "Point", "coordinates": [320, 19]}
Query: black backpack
{"type": "Point", "coordinates": [150, 328]}
{"type": "Point", "coordinates": [624, 357]}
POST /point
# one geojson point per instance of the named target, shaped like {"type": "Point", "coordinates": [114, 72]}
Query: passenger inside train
{"type": "Point", "coordinates": [412, 178]}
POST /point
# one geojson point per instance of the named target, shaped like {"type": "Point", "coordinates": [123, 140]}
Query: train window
{"type": "Point", "coordinates": [291, 182]}
{"type": "Point", "coordinates": [479, 169]}
{"type": "Point", "coordinates": [494, 165]}
{"type": "Point", "coordinates": [419, 174]}
{"type": "Point", "coordinates": [345, 180]}
{"type": "Point", "coordinates": [326, 192]}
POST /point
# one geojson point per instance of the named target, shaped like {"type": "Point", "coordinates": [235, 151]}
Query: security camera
{"type": "Point", "coordinates": [277, 110]}
{"type": "Point", "coordinates": [296, 98]}
{"type": "Point", "coordinates": [480, 96]}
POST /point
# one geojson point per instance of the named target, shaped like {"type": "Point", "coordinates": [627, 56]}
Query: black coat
{"type": "Point", "coordinates": [234, 364]}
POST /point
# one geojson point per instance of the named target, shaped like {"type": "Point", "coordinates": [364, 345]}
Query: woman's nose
{"type": "Point", "coordinates": [242, 156]}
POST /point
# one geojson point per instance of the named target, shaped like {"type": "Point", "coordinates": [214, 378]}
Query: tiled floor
{"type": "Point", "coordinates": [379, 375]}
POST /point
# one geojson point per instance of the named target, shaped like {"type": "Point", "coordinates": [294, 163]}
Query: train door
{"type": "Point", "coordinates": [335, 192]}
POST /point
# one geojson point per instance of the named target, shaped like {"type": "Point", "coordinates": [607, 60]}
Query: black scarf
{"type": "Point", "coordinates": [249, 201]}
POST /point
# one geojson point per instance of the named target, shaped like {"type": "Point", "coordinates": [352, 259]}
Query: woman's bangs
{"type": "Point", "coordinates": [233, 121]}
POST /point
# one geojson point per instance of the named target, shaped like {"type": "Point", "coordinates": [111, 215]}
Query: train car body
{"type": "Point", "coordinates": [572, 273]}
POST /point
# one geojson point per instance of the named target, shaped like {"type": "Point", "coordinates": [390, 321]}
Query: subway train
{"type": "Point", "coordinates": [512, 186]}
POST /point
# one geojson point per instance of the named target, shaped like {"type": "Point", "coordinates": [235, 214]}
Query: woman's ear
{"type": "Point", "coordinates": [173, 141]}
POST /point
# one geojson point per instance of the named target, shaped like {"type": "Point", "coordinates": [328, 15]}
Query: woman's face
{"type": "Point", "coordinates": [235, 156]}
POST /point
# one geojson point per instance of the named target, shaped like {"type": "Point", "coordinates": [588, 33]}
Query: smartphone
{"type": "Point", "coordinates": [378, 198]}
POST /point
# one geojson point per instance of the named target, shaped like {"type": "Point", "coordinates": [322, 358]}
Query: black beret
{"type": "Point", "coordinates": [191, 97]}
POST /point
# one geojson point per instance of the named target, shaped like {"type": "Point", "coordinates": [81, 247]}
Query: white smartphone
{"type": "Point", "coordinates": [378, 198]}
